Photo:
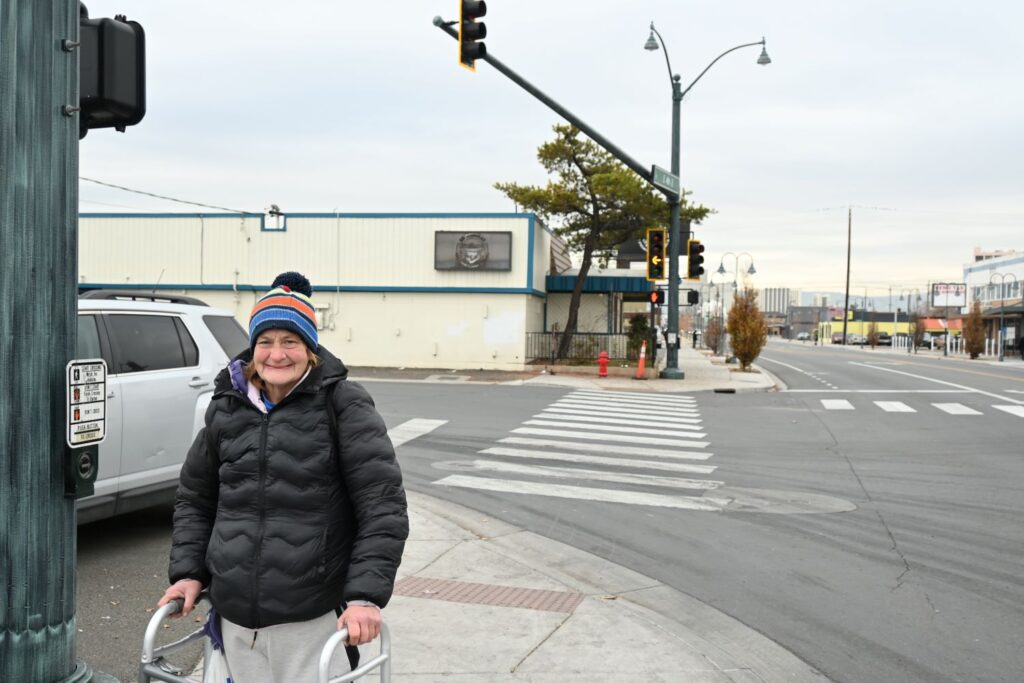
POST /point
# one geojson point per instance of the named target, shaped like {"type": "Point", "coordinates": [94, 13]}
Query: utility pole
{"type": "Point", "coordinates": [38, 248]}
{"type": "Point", "coordinates": [846, 302]}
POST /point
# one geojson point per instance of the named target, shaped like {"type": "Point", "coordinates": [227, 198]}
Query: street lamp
{"type": "Point", "coordinates": [678, 237]}
{"type": "Point", "coordinates": [735, 275]}
{"type": "Point", "coordinates": [1002, 306]}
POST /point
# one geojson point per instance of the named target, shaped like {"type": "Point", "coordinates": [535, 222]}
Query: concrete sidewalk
{"type": "Point", "coordinates": [481, 601]}
{"type": "Point", "coordinates": [702, 372]}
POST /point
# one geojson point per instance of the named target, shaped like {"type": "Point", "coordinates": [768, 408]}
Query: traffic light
{"type": "Point", "coordinates": [655, 254]}
{"type": "Point", "coordinates": [471, 32]}
{"type": "Point", "coordinates": [657, 296]}
{"type": "Point", "coordinates": [694, 259]}
{"type": "Point", "coordinates": [112, 72]}
{"type": "Point", "coordinates": [692, 297]}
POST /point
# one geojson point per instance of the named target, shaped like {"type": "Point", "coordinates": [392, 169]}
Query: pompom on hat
{"type": "Point", "coordinates": [286, 306]}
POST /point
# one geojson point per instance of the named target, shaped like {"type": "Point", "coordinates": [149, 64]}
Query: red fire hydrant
{"type": "Point", "coordinates": [602, 364]}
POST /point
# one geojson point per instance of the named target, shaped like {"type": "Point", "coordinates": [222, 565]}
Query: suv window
{"type": "Point", "coordinates": [228, 333]}
{"type": "Point", "coordinates": [150, 342]}
{"type": "Point", "coordinates": [88, 345]}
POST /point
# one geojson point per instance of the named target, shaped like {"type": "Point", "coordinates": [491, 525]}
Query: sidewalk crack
{"type": "Point", "coordinates": [538, 645]}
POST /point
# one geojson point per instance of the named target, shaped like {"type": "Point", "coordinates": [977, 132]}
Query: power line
{"type": "Point", "coordinates": [160, 196]}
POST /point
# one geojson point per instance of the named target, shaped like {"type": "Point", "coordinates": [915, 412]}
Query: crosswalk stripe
{"type": "Point", "coordinates": [596, 475]}
{"type": "Point", "coordinates": [614, 428]}
{"type": "Point", "coordinates": [407, 431]}
{"type": "Point", "coordinates": [1012, 410]}
{"type": "Point", "coordinates": [894, 407]}
{"type": "Point", "coordinates": [637, 410]}
{"type": "Point", "coordinates": [625, 438]}
{"type": "Point", "coordinates": [635, 422]}
{"type": "Point", "coordinates": [634, 398]}
{"type": "Point", "coordinates": [607, 448]}
{"type": "Point", "coordinates": [616, 413]}
{"type": "Point", "coordinates": [836, 404]}
{"type": "Point", "coordinates": [956, 409]}
{"type": "Point", "coordinates": [600, 460]}
{"type": "Point", "coordinates": [585, 493]}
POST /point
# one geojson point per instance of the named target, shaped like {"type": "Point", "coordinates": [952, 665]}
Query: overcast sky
{"type": "Point", "coordinates": [908, 111]}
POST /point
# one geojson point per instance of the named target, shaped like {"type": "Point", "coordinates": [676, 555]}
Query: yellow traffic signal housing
{"type": "Point", "coordinates": [694, 260]}
{"type": "Point", "coordinates": [655, 254]}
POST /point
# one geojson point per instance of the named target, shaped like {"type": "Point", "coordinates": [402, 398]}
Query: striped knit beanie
{"type": "Point", "coordinates": [286, 307]}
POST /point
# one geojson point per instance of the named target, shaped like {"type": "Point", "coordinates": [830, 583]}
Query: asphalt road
{"type": "Point", "coordinates": [876, 545]}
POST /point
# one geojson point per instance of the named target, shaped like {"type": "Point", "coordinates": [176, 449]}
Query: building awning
{"type": "Point", "coordinates": [940, 325]}
{"type": "Point", "coordinates": [1009, 309]}
{"type": "Point", "coordinates": [606, 284]}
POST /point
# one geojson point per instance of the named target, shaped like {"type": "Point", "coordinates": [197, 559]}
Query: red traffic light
{"type": "Point", "coordinates": [657, 297]}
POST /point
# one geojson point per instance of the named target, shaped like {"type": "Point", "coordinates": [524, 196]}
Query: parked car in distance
{"type": "Point", "coordinates": [163, 353]}
{"type": "Point", "coordinates": [803, 336]}
{"type": "Point", "coordinates": [852, 338]}
{"type": "Point", "coordinates": [837, 337]}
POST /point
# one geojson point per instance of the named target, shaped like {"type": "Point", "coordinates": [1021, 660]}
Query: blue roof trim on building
{"type": "Point", "coordinates": [262, 217]}
{"type": "Point", "coordinates": [626, 285]}
{"type": "Point", "coordinates": [319, 288]}
{"type": "Point", "coordinates": [989, 265]}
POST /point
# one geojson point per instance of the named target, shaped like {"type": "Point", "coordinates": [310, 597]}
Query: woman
{"type": "Point", "coordinates": [290, 508]}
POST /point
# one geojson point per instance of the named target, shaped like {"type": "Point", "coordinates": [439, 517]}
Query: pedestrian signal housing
{"type": "Point", "coordinates": [694, 260]}
{"type": "Point", "coordinates": [657, 297]}
{"type": "Point", "coordinates": [693, 297]}
{"type": "Point", "coordinates": [471, 32]}
{"type": "Point", "coordinates": [112, 72]}
{"type": "Point", "coordinates": [655, 254]}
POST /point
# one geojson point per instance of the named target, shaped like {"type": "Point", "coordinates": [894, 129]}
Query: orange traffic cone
{"type": "Point", "coordinates": [643, 358]}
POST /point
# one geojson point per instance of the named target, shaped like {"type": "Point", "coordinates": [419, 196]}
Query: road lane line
{"type": "Point", "coordinates": [787, 365]}
{"type": "Point", "coordinates": [651, 441]}
{"type": "Point", "coordinates": [658, 400]}
{"type": "Point", "coordinates": [939, 381]}
{"type": "Point", "coordinates": [618, 449]}
{"type": "Point", "coordinates": [407, 431]}
{"type": "Point", "coordinates": [596, 475]}
{"type": "Point", "coordinates": [583, 458]}
{"type": "Point", "coordinates": [614, 428]}
{"type": "Point", "coordinates": [836, 404]}
{"type": "Point", "coordinates": [956, 409]}
{"type": "Point", "coordinates": [879, 391]}
{"type": "Point", "coordinates": [585, 493]}
{"type": "Point", "coordinates": [894, 407]}
{"type": "Point", "coordinates": [616, 413]}
{"type": "Point", "coordinates": [636, 422]}
{"type": "Point", "coordinates": [1012, 410]}
{"type": "Point", "coordinates": [577, 403]}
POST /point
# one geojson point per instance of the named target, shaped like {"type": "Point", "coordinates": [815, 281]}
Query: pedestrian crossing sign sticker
{"type": "Point", "coordinates": [86, 402]}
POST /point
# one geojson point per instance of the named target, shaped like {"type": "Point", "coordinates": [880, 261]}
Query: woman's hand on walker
{"type": "Point", "coordinates": [185, 589]}
{"type": "Point", "coordinates": [362, 622]}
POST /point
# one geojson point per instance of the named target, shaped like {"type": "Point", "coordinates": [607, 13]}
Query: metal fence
{"type": "Point", "coordinates": [583, 346]}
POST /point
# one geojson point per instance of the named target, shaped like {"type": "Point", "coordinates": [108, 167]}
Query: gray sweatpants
{"type": "Point", "coordinates": [286, 653]}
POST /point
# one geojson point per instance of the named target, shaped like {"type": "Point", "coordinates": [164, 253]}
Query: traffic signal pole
{"type": "Point", "coordinates": [676, 236]}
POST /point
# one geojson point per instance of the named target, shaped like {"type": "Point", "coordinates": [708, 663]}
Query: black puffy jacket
{"type": "Point", "coordinates": [277, 524]}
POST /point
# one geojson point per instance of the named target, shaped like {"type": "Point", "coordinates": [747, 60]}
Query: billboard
{"type": "Point", "coordinates": [949, 294]}
{"type": "Point", "coordinates": [472, 250]}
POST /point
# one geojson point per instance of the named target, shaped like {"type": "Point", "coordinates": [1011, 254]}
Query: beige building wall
{"type": "Point", "coordinates": [592, 316]}
{"type": "Point", "coordinates": [379, 299]}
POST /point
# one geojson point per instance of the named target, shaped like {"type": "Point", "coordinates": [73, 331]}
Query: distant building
{"type": "Point", "coordinates": [981, 255]}
{"type": "Point", "coordinates": [777, 299]}
{"type": "Point", "coordinates": [997, 283]}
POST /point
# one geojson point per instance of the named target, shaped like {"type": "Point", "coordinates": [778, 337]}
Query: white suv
{"type": "Point", "coordinates": [163, 353]}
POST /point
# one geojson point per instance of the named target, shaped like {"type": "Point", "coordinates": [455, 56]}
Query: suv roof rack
{"type": "Point", "coordinates": [137, 295]}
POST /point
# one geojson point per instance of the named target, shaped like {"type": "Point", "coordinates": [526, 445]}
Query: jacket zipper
{"type": "Point", "coordinates": [263, 522]}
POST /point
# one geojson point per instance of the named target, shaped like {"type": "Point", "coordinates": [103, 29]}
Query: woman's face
{"type": "Point", "coordinates": [281, 358]}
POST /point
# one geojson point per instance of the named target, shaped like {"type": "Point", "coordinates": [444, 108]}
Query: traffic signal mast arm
{"type": "Point", "coordinates": [612, 149]}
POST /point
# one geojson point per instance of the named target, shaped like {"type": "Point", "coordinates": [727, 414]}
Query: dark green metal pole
{"type": "Point", "coordinates": [677, 237]}
{"type": "Point", "coordinates": [38, 269]}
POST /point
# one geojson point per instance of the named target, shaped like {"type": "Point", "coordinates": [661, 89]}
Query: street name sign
{"type": "Point", "coordinates": [86, 402]}
{"type": "Point", "coordinates": [665, 180]}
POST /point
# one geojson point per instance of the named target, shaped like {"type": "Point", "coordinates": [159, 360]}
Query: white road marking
{"type": "Point", "coordinates": [836, 404]}
{"type": "Point", "coordinates": [616, 413]}
{"type": "Point", "coordinates": [614, 428]}
{"type": "Point", "coordinates": [585, 493]}
{"type": "Point", "coordinates": [625, 438]}
{"type": "Point", "coordinates": [785, 365]}
{"type": "Point", "coordinates": [939, 381]}
{"type": "Point", "coordinates": [407, 431]}
{"type": "Point", "coordinates": [956, 409]}
{"type": "Point", "coordinates": [607, 448]}
{"type": "Point", "coordinates": [880, 391]}
{"type": "Point", "coordinates": [647, 400]}
{"type": "Point", "coordinates": [634, 422]}
{"type": "Point", "coordinates": [585, 459]}
{"type": "Point", "coordinates": [1012, 410]}
{"type": "Point", "coordinates": [1015, 391]}
{"type": "Point", "coordinates": [635, 410]}
{"type": "Point", "coordinates": [600, 475]}
{"type": "Point", "coordinates": [894, 407]}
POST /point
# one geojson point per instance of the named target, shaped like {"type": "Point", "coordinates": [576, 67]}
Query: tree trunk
{"type": "Point", "coordinates": [577, 294]}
